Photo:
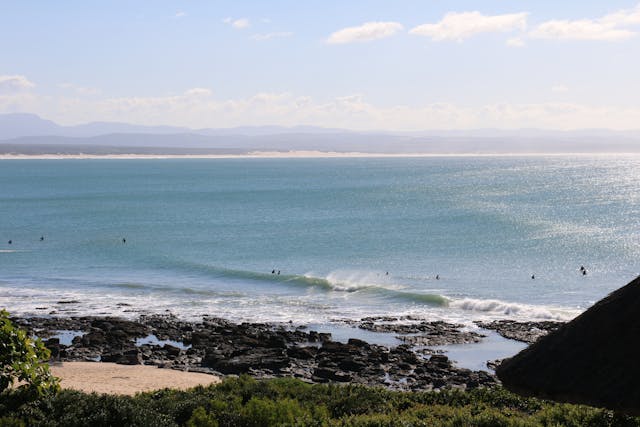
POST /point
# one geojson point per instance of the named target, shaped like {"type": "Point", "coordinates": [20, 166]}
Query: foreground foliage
{"type": "Point", "coordinates": [23, 361]}
{"type": "Point", "coordinates": [245, 401]}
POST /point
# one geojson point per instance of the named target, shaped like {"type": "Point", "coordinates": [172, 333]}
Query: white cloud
{"type": "Point", "coordinates": [198, 108]}
{"type": "Point", "coordinates": [611, 27]}
{"type": "Point", "coordinates": [198, 91]}
{"type": "Point", "coordinates": [238, 24]}
{"type": "Point", "coordinates": [584, 29]}
{"type": "Point", "coordinates": [241, 23]}
{"type": "Point", "coordinates": [180, 14]}
{"type": "Point", "coordinates": [623, 17]}
{"type": "Point", "coordinates": [460, 26]}
{"type": "Point", "coordinates": [15, 83]}
{"type": "Point", "coordinates": [559, 88]}
{"type": "Point", "coordinates": [366, 32]}
{"type": "Point", "coordinates": [515, 42]}
{"type": "Point", "coordinates": [80, 90]}
{"type": "Point", "coordinates": [274, 35]}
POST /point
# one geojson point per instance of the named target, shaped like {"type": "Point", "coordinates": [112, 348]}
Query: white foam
{"type": "Point", "coordinates": [354, 280]}
{"type": "Point", "coordinates": [494, 307]}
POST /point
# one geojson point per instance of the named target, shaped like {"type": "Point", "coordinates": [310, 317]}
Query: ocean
{"type": "Point", "coordinates": [318, 240]}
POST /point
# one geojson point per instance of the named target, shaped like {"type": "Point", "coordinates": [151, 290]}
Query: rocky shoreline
{"type": "Point", "coordinates": [221, 347]}
{"type": "Point", "coordinates": [527, 332]}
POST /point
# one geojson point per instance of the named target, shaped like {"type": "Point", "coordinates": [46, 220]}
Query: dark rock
{"type": "Point", "coordinates": [437, 339]}
{"type": "Point", "coordinates": [357, 343]}
{"type": "Point", "coordinates": [271, 359]}
{"type": "Point", "coordinates": [528, 332]}
{"type": "Point", "coordinates": [334, 347]}
{"type": "Point", "coordinates": [262, 350]}
{"type": "Point", "coordinates": [331, 374]}
{"type": "Point", "coordinates": [53, 344]}
{"type": "Point", "coordinates": [423, 333]}
{"type": "Point", "coordinates": [93, 339]}
{"type": "Point", "coordinates": [172, 351]}
{"type": "Point", "coordinates": [128, 357]}
{"type": "Point", "coordinates": [440, 360]}
{"type": "Point", "coordinates": [304, 353]}
{"type": "Point", "coordinates": [353, 365]}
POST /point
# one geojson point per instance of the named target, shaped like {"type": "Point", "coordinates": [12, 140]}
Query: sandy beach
{"type": "Point", "coordinates": [125, 379]}
{"type": "Point", "coordinates": [287, 155]}
{"type": "Point", "coordinates": [249, 155]}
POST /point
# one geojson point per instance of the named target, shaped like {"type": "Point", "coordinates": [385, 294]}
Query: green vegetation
{"type": "Point", "coordinates": [245, 401]}
{"type": "Point", "coordinates": [22, 361]}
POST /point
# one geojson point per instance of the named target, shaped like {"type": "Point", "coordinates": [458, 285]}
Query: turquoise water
{"type": "Point", "coordinates": [203, 235]}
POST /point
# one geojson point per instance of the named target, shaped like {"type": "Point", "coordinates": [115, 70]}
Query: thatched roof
{"type": "Point", "coordinates": [594, 359]}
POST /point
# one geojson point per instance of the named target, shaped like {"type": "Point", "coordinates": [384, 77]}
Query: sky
{"type": "Point", "coordinates": [354, 64]}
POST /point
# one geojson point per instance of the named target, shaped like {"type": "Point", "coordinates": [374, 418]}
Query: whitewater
{"type": "Point", "coordinates": [316, 241]}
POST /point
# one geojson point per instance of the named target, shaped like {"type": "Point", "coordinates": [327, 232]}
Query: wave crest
{"type": "Point", "coordinates": [496, 307]}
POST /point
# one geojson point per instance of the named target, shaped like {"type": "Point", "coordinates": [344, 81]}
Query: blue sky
{"type": "Point", "coordinates": [398, 65]}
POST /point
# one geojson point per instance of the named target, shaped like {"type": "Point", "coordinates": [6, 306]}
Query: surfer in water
{"type": "Point", "coordinates": [533, 276]}
{"type": "Point", "coordinates": [10, 241]}
{"type": "Point", "coordinates": [42, 238]}
{"type": "Point", "coordinates": [124, 240]}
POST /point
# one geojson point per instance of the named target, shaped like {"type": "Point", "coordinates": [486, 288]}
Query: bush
{"type": "Point", "coordinates": [200, 418]}
{"type": "Point", "coordinates": [245, 401]}
{"type": "Point", "coordinates": [23, 360]}
{"type": "Point", "coordinates": [11, 422]}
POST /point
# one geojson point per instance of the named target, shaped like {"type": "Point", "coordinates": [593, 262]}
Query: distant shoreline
{"type": "Point", "coordinates": [289, 155]}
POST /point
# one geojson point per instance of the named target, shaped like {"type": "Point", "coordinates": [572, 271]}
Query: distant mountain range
{"type": "Point", "coordinates": [30, 134]}
{"type": "Point", "coordinates": [18, 125]}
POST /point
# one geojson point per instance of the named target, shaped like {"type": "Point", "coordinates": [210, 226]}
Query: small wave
{"type": "Point", "coordinates": [430, 299]}
{"type": "Point", "coordinates": [170, 289]}
{"type": "Point", "coordinates": [129, 285]}
{"type": "Point", "coordinates": [512, 309]}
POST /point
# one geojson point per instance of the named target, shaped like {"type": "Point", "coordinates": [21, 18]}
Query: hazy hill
{"type": "Point", "coordinates": [30, 134]}
{"type": "Point", "coordinates": [17, 125]}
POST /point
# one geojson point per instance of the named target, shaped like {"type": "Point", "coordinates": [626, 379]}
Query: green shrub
{"type": "Point", "coordinates": [245, 401]}
{"type": "Point", "coordinates": [11, 422]}
{"type": "Point", "coordinates": [201, 418]}
{"type": "Point", "coordinates": [23, 360]}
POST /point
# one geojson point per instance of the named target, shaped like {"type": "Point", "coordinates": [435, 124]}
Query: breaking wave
{"type": "Point", "coordinates": [494, 307]}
